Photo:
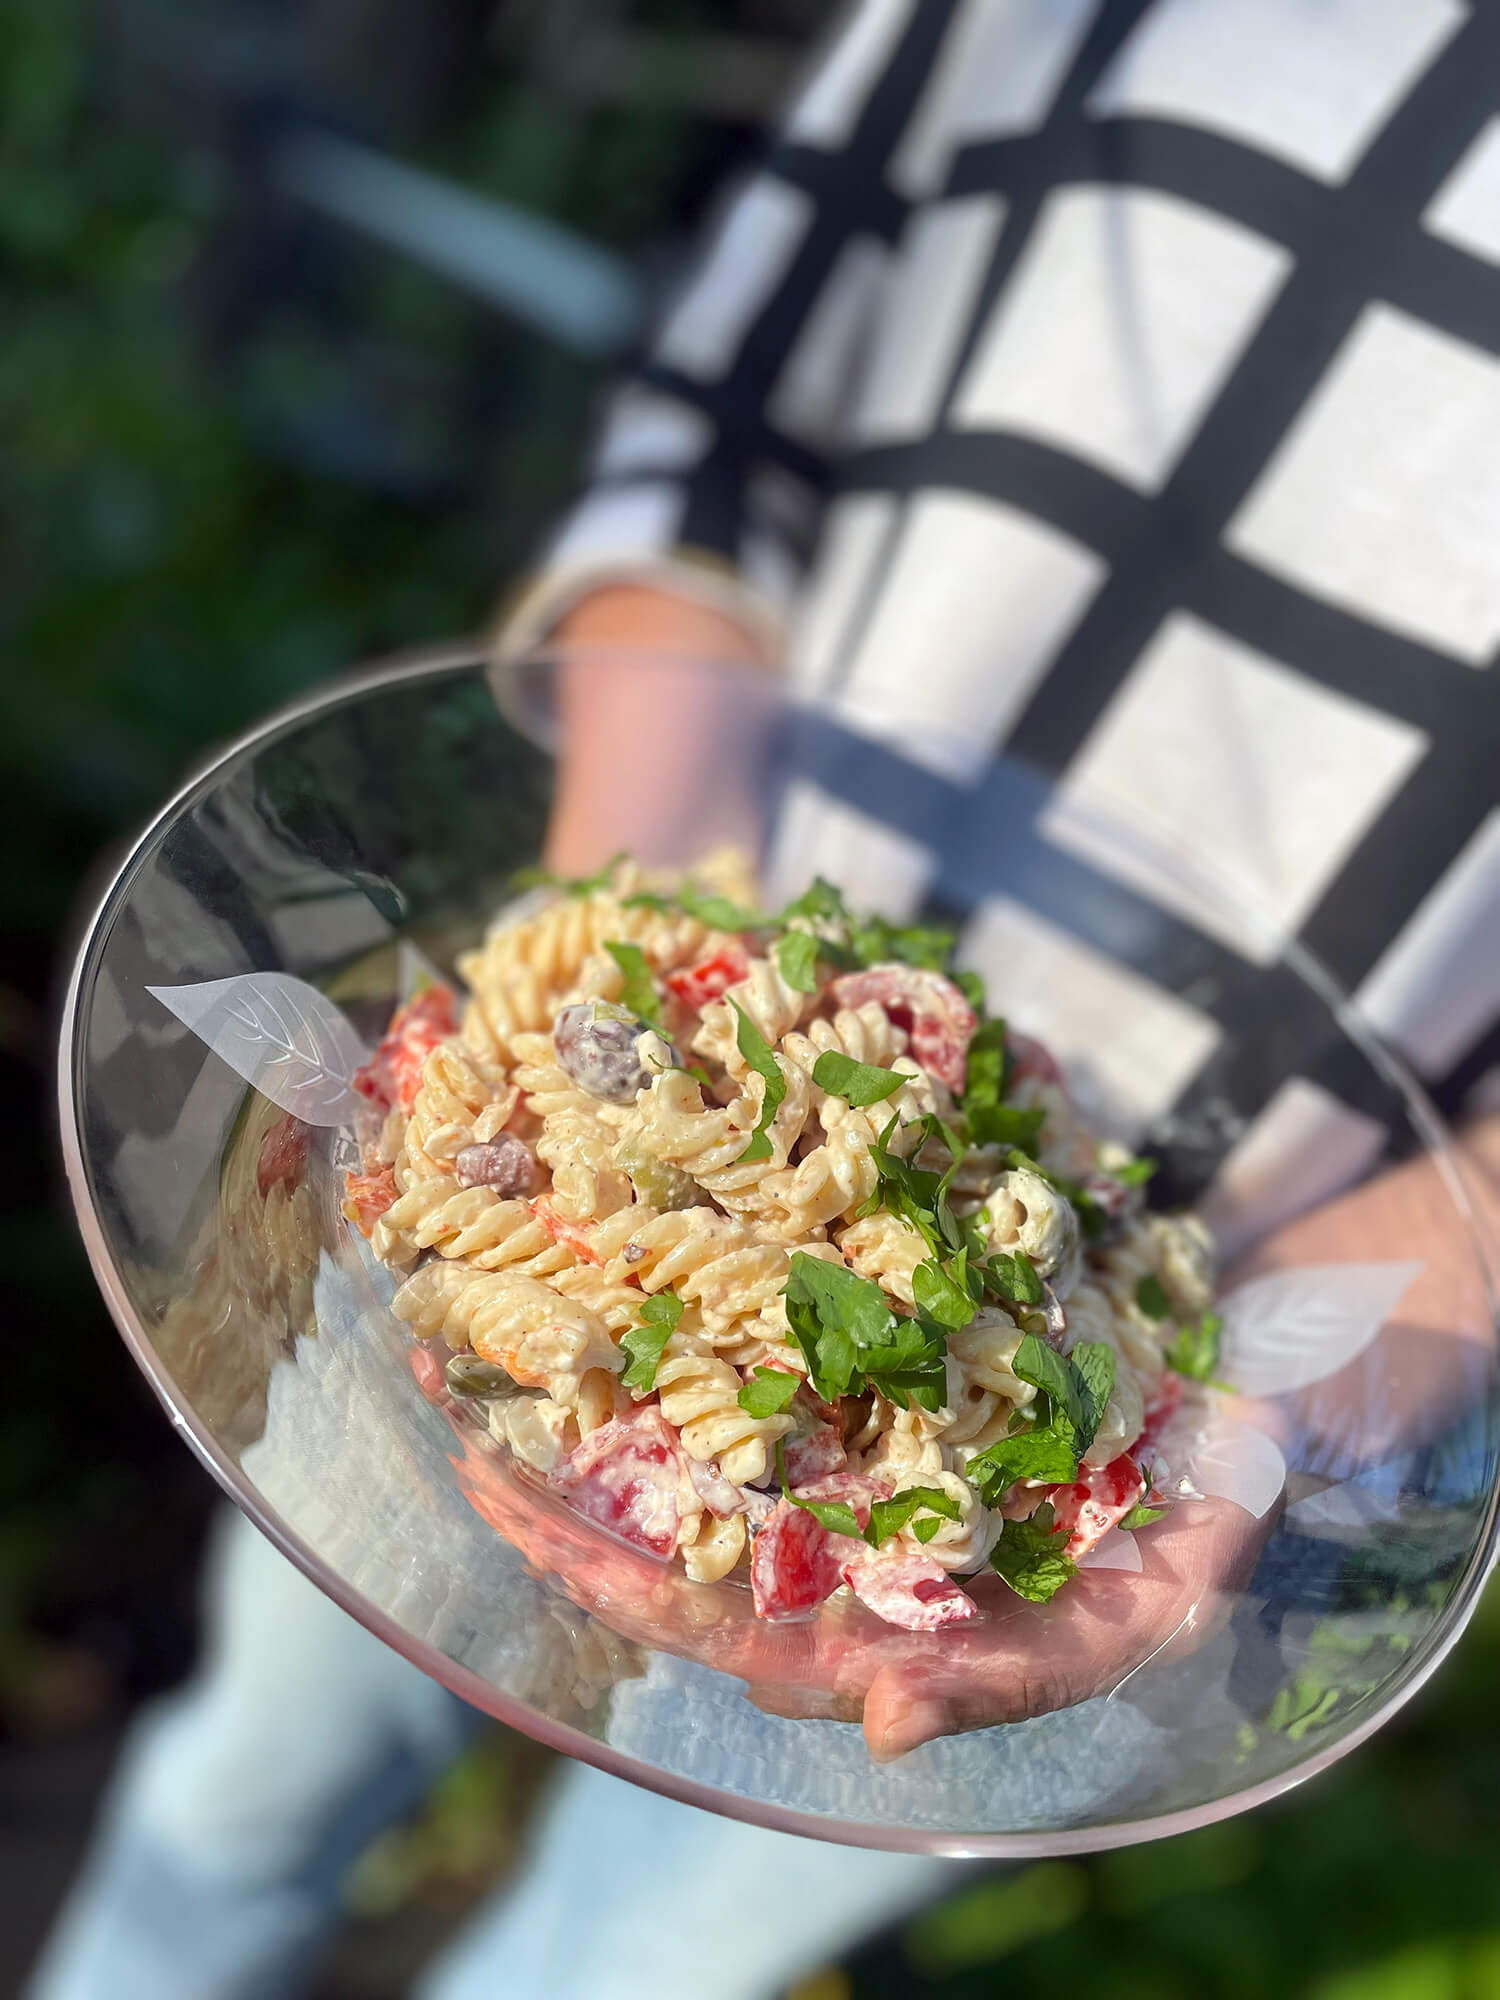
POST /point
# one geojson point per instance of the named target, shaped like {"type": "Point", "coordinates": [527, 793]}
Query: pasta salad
{"type": "Point", "coordinates": [768, 1248]}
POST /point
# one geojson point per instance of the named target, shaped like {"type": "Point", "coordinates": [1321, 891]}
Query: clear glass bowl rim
{"type": "Point", "coordinates": [464, 659]}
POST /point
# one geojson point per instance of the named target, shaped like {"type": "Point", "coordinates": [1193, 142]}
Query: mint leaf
{"type": "Point", "coordinates": [797, 957]}
{"type": "Point", "coordinates": [1134, 1173]}
{"type": "Point", "coordinates": [646, 1343]}
{"type": "Point", "coordinates": [1151, 1297]}
{"type": "Point", "coordinates": [888, 1517]}
{"type": "Point", "coordinates": [756, 1050]}
{"type": "Point", "coordinates": [638, 993]}
{"type": "Point", "coordinates": [574, 885]}
{"type": "Point", "coordinates": [1093, 1365]}
{"type": "Point", "coordinates": [1029, 1555]}
{"type": "Point", "coordinates": [926, 1528]}
{"type": "Point", "coordinates": [858, 1083]}
{"type": "Point", "coordinates": [1195, 1351]}
{"type": "Point", "coordinates": [1014, 1278]}
{"type": "Point", "coordinates": [1141, 1516]}
{"type": "Point", "coordinates": [768, 1392]}
{"type": "Point", "coordinates": [972, 988]}
{"type": "Point", "coordinates": [837, 1516]}
{"type": "Point", "coordinates": [939, 1296]}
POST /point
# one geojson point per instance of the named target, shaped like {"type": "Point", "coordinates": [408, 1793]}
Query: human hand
{"type": "Point", "coordinates": [1015, 1660]}
{"type": "Point", "coordinates": [1436, 1355]}
{"type": "Point", "coordinates": [659, 733]}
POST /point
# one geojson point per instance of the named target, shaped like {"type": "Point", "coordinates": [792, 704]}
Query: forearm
{"type": "Point", "coordinates": [636, 661]}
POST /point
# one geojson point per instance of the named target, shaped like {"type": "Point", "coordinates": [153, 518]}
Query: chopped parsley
{"type": "Point", "coordinates": [1151, 1297]}
{"type": "Point", "coordinates": [857, 1082]}
{"type": "Point", "coordinates": [768, 1392]}
{"type": "Point", "coordinates": [638, 993]}
{"type": "Point", "coordinates": [941, 1294]}
{"type": "Point", "coordinates": [797, 958]}
{"type": "Point", "coordinates": [853, 1339]}
{"type": "Point", "coordinates": [718, 912]}
{"type": "Point", "coordinates": [756, 1050]}
{"type": "Point", "coordinates": [989, 1120]}
{"type": "Point", "coordinates": [570, 885]}
{"type": "Point", "coordinates": [1074, 1390]}
{"type": "Point", "coordinates": [837, 1516]}
{"type": "Point", "coordinates": [1029, 1555]}
{"type": "Point", "coordinates": [646, 1343]}
{"type": "Point", "coordinates": [1195, 1351]}
{"type": "Point", "coordinates": [1015, 1278]}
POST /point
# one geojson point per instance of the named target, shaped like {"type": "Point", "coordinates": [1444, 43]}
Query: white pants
{"type": "Point", "coordinates": [236, 1813]}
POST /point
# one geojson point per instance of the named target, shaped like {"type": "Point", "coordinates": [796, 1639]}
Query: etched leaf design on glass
{"type": "Point", "coordinates": [1234, 1461]}
{"type": "Point", "coordinates": [281, 1035]}
{"type": "Point", "coordinates": [1294, 1327]}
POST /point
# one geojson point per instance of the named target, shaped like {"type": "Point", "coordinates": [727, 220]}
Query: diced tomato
{"type": "Point", "coordinates": [1030, 1058]}
{"type": "Point", "coordinates": [794, 1564]}
{"type": "Point", "coordinates": [393, 1073]}
{"type": "Point", "coordinates": [696, 985]}
{"type": "Point", "coordinates": [569, 1234]}
{"type": "Point", "coordinates": [629, 1476]}
{"type": "Point", "coordinates": [368, 1196]}
{"type": "Point", "coordinates": [1090, 1507]}
{"type": "Point", "coordinates": [814, 1455]}
{"type": "Point", "coordinates": [1162, 1407]}
{"type": "Point", "coordinates": [907, 1589]}
{"type": "Point", "coordinates": [718, 1494]}
{"type": "Point", "coordinates": [283, 1155]}
{"type": "Point", "coordinates": [938, 1021]}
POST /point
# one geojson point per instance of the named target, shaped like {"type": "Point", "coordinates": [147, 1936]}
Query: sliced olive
{"type": "Point", "coordinates": [471, 1375]}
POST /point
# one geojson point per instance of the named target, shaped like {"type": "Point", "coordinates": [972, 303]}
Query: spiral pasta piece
{"type": "Point", "coordinates": [699, 1395]}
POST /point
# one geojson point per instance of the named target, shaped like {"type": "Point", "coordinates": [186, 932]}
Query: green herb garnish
{"type": "Point", "coordinates": [1195, 1351]}
{"type": "Point", "coordinates": [889, 1517]}
{"type": "Point", "coordinates": [638, 993]}
{"type": "Point", "coordinates": [646, 1343]}
{"type": "Point", "coordinates": [768, 1392]}
{"type": "Point", "coordinates": [797, 958]}
{"type": "Point", "coordinates": [718, 912]}
{"type": "Point", "coordinates": [570, 885]}
{"type": "Point", "coordinates": [1134, 1173]}
{"type": "Point", "coordinates": [837, 1516]}
{"type": "Point", "coordinates": [858, 1083]}
{"type": "Point", "coordinates": [1014, 1278]}
{"type": "Point", "coordinates": [1151, 1297]}
{"type": "Point", "coordinates": [1029, 1555]}
{"type": "Point", "coordinates": [1141, 1516]}
{"type": "Point", "coordinates": [756, 1050]}
{"type": "Point", "coordinates": [852, 1338]}
{"type": "Point", "coordinates": [989, 1120]}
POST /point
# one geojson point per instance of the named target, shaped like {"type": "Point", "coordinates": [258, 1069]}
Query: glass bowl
{"type": "Point", "coordinates": [386, 818]}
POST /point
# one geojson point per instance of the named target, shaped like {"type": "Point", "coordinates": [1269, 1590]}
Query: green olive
{"type": "Point", "coordinates": [469, 1375]}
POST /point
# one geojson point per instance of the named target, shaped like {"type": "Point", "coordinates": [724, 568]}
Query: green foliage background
{"type": "Point", "coordinates": [198, 520]}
